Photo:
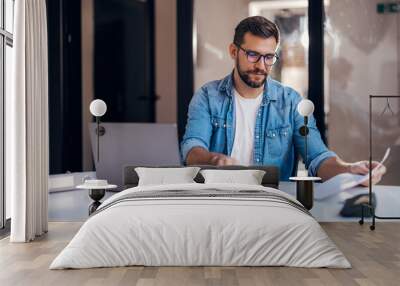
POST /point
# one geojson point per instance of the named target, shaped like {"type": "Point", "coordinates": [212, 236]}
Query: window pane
{"type": "Point", "coordinates": [9, 13]}
{"type": "Point", "coordinates": [8, 89]}
{"type": "Point", "coordinates": [363, 59]}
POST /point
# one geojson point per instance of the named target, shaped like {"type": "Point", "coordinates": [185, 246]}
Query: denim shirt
{"type": "Point", "coordinates": [211, 125]}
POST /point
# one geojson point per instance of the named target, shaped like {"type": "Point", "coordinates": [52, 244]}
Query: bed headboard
{"type": "Point", "coordinates": [270, 179]}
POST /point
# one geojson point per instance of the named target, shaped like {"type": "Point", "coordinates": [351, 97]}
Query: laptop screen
{"type": "Point", "coordinates": [138, 144]}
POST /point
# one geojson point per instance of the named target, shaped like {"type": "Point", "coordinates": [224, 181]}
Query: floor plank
{"type": "Point", "coordinates": [374, 255]}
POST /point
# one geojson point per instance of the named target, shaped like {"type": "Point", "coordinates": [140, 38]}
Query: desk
{"type": "Point", "coordinates": [72, 205]}
{"type": "Point", "coordinates": [387, 197]}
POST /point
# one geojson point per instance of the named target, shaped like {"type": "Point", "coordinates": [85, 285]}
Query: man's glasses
{"type": "Point", "coordinates": [254, 57]}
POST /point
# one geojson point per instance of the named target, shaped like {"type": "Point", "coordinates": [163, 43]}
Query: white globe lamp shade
{"type": "Point", "coordinates": [98, 107]}
{"type": "Point", "coordinates": [305, 107]}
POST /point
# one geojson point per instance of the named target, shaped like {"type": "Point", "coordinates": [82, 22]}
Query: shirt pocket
{"type": "Point", "coordinates": [278, 139]}
{"type": "Point", "coordinates": [218, 137]}
{"type": "Point", "coordinates": [218, 122]}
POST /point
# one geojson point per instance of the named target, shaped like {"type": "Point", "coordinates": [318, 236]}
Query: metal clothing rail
{"type": "Point", "coordinates": [369, 205]}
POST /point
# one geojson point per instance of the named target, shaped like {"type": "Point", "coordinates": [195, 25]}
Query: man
{"type": "Point", "coordinates": [248, 118]}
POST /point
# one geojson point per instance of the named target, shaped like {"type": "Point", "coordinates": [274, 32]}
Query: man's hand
{"type": "Point", "coordinates": [362, 168]}
{"type": "Point", "coordinates": [222, 160]}
{"type": "Point", "coordinates": [334, 166]}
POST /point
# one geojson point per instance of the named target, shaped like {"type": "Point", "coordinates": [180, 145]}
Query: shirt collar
{"type": "Point", "coordinates": [269, 94]}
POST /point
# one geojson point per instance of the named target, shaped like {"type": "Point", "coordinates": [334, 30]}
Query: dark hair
{"type": "Point", "coordinates": [258, 26]}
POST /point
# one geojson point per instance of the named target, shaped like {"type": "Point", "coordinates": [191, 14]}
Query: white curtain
{"type": "Point", "coordinates": [27, 123]}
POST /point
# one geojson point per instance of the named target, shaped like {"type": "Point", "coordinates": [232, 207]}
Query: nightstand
{"type": "Point", "coordinates": [305, 190]}
{"type": "Point", "coordinates": [97, 190]}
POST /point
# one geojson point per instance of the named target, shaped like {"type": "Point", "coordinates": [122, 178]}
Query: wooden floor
{"type": "Point", "coordinates": [375, 257]}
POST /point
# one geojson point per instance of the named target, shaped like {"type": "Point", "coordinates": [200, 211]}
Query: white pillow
{"type": "Point", "coordinates": [163, 176]}
{"type": "Point", "coordinates": [249, 177]}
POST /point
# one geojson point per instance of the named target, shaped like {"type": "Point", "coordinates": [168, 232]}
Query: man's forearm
{"type": "Point", "coordinates": [199, 156]}
{"type": "Point", "coordinates": [332, 167]}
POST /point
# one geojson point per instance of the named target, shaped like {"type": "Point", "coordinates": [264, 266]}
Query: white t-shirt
{"type": "Point", "coordinates": [246, 113]}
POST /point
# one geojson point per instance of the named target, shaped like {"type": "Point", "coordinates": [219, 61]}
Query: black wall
{"type": "Point", "coordinates": [185, 61]}
{"type": "Point", "coordinates": [65, 103]}
{"type": "Point", "coordinates": [316, 62]}
{"type": "Point", "coordinates": [124, 59]}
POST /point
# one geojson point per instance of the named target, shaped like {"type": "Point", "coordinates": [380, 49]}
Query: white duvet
{"type": "Point", "coordinates": [200, 231]}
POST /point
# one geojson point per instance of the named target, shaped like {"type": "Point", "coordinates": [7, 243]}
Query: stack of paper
{"type": "Point", "coordinates": [344, 182]}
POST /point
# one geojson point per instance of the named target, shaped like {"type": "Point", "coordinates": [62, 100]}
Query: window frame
{"type": "Point", "coordinates": [6, 39]}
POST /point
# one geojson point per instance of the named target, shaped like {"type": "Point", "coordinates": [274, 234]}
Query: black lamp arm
{"type": "Point", "coordinates": [98, 136]}
{"type": "Point", "coordinates": [304, 132]}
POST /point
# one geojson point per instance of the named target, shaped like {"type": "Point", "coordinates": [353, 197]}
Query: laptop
{"type": "Point", "coordinates": [135, 144]}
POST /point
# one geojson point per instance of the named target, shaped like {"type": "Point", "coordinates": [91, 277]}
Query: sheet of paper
{"type": "Point", "coordinates": [344, 181]}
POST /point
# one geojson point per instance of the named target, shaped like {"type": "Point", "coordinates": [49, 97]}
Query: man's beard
{"type": "Point", "coordinates": [245, 76]}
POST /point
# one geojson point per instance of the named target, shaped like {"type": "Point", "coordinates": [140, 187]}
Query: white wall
{"type": "Point", "coordinates": [216, 21]}
{"type": "Point", "coordinates": [87, 42]}
{"type": "Point", "coordinates": [166, 61]}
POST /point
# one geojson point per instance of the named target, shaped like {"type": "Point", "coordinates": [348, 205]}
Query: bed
{"type": "Point", "coordinates": [201, 224]}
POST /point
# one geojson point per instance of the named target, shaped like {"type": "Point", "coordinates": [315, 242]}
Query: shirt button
{"type": "Point", "coordinates": [257, 136]}
{"type": "Point", "coordinates": [273, 134]}
{"type": "Point", "coordinates": [258, 160]}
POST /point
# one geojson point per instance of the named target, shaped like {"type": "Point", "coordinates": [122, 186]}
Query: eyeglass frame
{"type": "Point", "coordinates": [259, 56]}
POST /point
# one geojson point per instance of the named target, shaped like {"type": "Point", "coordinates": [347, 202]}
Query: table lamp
{"type": "Point", "coordinates": [98, 108]}
{"type": "Point", "coordinates": [305, 184]}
